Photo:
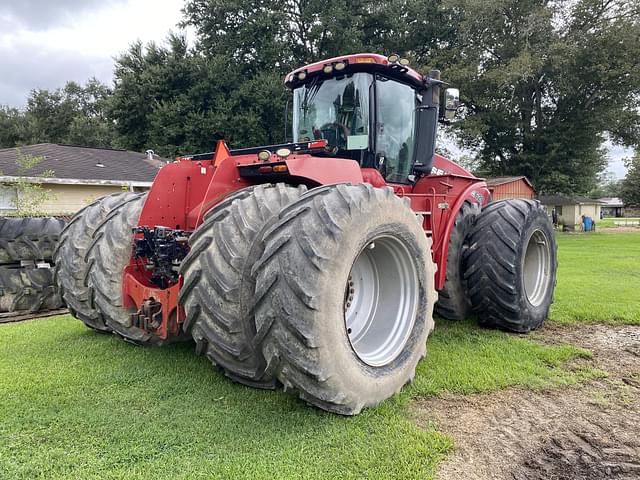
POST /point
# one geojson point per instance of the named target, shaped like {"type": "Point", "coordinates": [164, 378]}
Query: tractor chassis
{"type": "Point", "coordinates": [185, 190]}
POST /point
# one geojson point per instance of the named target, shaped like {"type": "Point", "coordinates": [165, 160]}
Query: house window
{"type": "Point", "coordinates": [558, 210]}
{"type": "Point", "coordinates": [7, 197]}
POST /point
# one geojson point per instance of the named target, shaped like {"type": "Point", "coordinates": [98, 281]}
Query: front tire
{"type": "Point", "coordinates": [218, 287]}
{"type": "Point", "coordinates": [344, 296]}
{"type": "Point", "coordinates": [511, 265]}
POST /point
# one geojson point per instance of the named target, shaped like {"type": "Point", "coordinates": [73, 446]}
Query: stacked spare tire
{"type": "Point", "coordinates": [27, 246]}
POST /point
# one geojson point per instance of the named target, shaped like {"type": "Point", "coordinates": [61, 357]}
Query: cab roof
{"type": "Point", "coordinates": [359, 62]}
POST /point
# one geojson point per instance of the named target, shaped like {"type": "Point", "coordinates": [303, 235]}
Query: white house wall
{"type": "Point", "coordinates": [65, 199]}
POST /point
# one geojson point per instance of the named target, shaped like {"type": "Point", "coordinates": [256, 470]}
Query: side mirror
{"type": "Point", "coordinates": [451, 103]}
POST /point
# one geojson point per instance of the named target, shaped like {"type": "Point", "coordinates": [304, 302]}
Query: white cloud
{"type": "Point", "coordinates": [615, 156]}
{"type": "Point", "coordinates": [42, 14]}
{"type": "Point", "coordinates": [80, 44]}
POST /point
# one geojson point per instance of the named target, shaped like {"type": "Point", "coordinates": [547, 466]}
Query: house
{"type": "Point", "coordinates": [612, 207]}
{"type": "Point", "coordinates": [501, 188]}
{"type": "Point", "coordinates": [571, 208]}
{"type": "Point", "coordinates": [75, 176]}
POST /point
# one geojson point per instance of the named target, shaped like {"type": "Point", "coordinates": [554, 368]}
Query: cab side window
{"type": "Point", "coordinates": [395, 128]}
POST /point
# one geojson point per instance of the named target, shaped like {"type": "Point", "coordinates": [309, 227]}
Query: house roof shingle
{"type": "Point", "coordinates": [82, 163]}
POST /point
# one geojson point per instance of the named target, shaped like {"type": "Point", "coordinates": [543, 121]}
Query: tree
{"type": "Point", "coordinates": [630, 187]}
{"type": "Point", "coordinates": [542, 81]}
{"type": "Point", "coordinates": [73, 114]}
{"type": "Point", "coordinates": [174, 99]}
{"type": "Point", "coordinates": [30, 196]}
{"type": "Point", "coordinates": [13, 127]}
{"type": "Point", "coordinates": [282, 35]}
{"type": "Point", "coordinates": [171, 99]}
{"type": "Point", "coordinates": [608, 186]}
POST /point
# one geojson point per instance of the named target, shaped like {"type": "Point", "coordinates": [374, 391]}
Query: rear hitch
{"type": "Point", "coordinates": [149, 317]}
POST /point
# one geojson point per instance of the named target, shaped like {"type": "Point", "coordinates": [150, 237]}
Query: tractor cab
{"type": "Point", "coordinates": [372, 109]}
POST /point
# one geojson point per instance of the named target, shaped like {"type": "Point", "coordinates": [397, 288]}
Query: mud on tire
{"type": "Point", "coordinates": [453, 300]}
{"type": "Point", "coordinates": [72, 266]}
{"type": "Point", "coordinates": [218, 287]}
{"type": "Point", "coordinates": [511, 265]}
{"type": "Point", "coordinates": [307, 316]}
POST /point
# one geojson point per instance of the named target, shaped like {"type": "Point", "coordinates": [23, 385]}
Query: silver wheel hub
{"type": "Point", "coordinates": [381, 298]}
{"type": "Point", "coordinates": [536, 268]}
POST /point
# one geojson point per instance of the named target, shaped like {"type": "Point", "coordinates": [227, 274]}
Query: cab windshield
{"type": "Point", "coordinates": [336, 110]}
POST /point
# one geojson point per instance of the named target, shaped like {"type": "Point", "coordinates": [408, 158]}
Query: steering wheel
{"type": "Point", "coordinates": [334, 129]}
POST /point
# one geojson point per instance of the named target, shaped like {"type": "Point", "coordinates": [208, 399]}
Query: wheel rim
{"type": "Point", "coordinates": [536, 272]}
{"type": "Point", "coordinates": [381, 298]}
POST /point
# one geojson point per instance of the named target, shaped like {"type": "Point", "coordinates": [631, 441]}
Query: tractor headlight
{"type": "Point", "coordinates": [328, 69]}
{"type": "Point", "coordinates": [283, 152]}
{"type": "Point", "coordinates": [393, 58]}
{"type": "Point", "coordinates": [340, 66]}
{"type": "Point", "coordinates": [264, 155]}
{"type": "Point", "coordinates": [302, 76]}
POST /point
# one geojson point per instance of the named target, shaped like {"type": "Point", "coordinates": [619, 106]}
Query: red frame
{"type": "Point", "coordinates": [186, 189]}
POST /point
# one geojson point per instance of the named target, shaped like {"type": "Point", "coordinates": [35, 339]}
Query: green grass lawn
{"type": "Point", "coordinates": [77, 404]}
{"type": "Point", "coordinates": [598, 278]}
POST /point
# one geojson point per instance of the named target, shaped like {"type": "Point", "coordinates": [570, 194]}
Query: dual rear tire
{"type": "Point", "coordinates": [511, 264]}
{"type": "Point", "coordinates": [73, 258]}
{"type": "Point", "coordinates": [502, 266]}
{"type": "Point", "coordinates": [454, 302]}
{"type": "Point", "coordinates": [94, 249]}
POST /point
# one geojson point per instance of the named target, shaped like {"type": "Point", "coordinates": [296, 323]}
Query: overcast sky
{"type": "Point", "coordinates": [44, 43]}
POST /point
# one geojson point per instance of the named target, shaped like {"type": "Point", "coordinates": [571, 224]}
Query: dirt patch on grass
{"type": "Point", "coordinates": [586, 432]}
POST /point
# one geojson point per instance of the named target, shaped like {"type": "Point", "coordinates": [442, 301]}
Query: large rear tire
{"type": "Point", "coordinates": [29, 238]}
{"type": "Point", "coordinates": [71, 269]}
{"type": "Point", "coordinates": [344, 296]}
{"type": "Point", "coordinates": [218, 288]}
{"type": "Point", "coordinates": [511, 265]}
{"type": "Point", "coordinates": [453, 300]}
{"type": "Point", "coordinates": [107, 257]}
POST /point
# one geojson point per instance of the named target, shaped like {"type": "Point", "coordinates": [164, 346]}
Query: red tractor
{"type": "Point", "coordinates": [315, 265]}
